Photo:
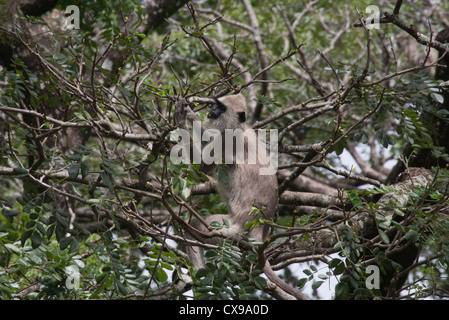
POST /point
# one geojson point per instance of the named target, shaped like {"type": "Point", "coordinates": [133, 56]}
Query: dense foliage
{"type": "Point", "coordinates": [93, 208]}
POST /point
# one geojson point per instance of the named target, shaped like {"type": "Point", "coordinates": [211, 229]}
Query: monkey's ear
{"type": "Point", "coordinates": [242, 116]}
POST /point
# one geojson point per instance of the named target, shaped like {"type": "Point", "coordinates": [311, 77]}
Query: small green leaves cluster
{"type": "Point", "coordinates": [349, 269]}
{"type": "Point", "coordinates": [159, 262]}
{"type": "Point", "coordinates": [48, 244]}
{"type": "Point", "coordinates": [311, 272]}
{"type": "Point", "coordinates": [228, 276]}
{"type": "Point", "coordinates": [46, 265]}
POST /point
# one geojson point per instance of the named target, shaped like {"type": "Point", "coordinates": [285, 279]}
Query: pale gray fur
{"type": "Point", "coordinates": [246, 186]}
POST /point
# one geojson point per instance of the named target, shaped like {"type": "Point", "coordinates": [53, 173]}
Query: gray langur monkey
{"type": "Point", "coordinates": [246, 187]}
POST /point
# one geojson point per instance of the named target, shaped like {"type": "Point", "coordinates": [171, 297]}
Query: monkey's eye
{"type": "Point", "coordinates": [216, 110]}
{"type": "Point", "coordinates": [242, 116]}
{"type": "Point", "coordinates": [221, 106]}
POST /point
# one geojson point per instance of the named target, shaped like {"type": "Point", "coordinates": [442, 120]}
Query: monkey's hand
{"type": "Point", "coordinates": [183, 112]}
{"type": "Point", "coordinates": [181, 107]}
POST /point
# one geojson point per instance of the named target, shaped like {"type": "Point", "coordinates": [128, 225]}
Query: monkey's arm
{"type": "Point", "coordinates": [183, 112]}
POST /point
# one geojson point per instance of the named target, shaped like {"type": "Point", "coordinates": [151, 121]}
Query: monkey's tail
{"type": "Point", "coordinates": [278, 282]}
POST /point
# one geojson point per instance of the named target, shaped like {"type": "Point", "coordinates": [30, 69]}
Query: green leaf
{"type": "Point", "coordinates": [398, 212]}
{"type": "Point", "coordinates": [93, 202]}
{"type": "Point", "coordinates": [353, 282]}
{"type": "Point", "coordinates": [73, 157]}
{"type": "Point", "coordinates": [65, 242]}
{"type": "Point", "coordinates": [30, 224]}
{"type": "Point", "coordinates": [207, 280]}
{"type": "Point", "coordinates": [307, 272]}
{"type": "Point", "coordinates": [226, 222]}
{"type": "Point", "coordinates": [383, 237]}
{"type": "Point", "coordinates": [211, 253]}
{"type": "Point", "coordinates": [34, 215]}
{"type": "Point", "coordinates": [337, 246]}
{"type": "Point", "coordinates": [362, 294]}
{"type": "Point", "coordinates": [84, 170]}
{"type": "Point", "coordinates": [161, 275]}
{"type": "Point", "coordinates": [342, 290]}
{"type": "Point", "coordinates": [34, 258]}
{"type": "Point", "coordinates": [74, 246]}
{"type": "Point", "coordinates": [216, 225]}
{"type": "Point", "coordinates": [437, 97]}
{"type": "Point", "coordinates": [201, 273]}
{"type": "Point", "coordinates": [36, 240]}
{"type": "Point", "coordinates": [412, 235]}
{"type": "Point", "coordinates": [20, 171]}
{"type": "Point", "coordinates": [340, 268]}
{"type": "Point", "coordinates": [334, 262]}
{"type": "Point", "coordinates": [398, 226]}
{"type": "Point", "coordinates": [9, 214]}
{"type": "Point", "coordinates": [108, 180]}
{"type": "Point", "coordinates": [121, 287]}
{"type": "Point", "coordinates": [25, 236]}
{"type": "Point", "coordinates": [13, 248]}
{"type": "Point", "coordinates": [50, 231]}
{"type": "Point", "coordinates": [384, 139]}
{"type": "Point", "coordinates": [74, 171]}
{"type": "Point", "coordinates": [361, 136]}
{"type": "Point", "coordinates": [355, 199]}
{"type": "Point", "coordinates": [340, 146]}
{"type": "Point", "coordinates": [317, 284]}
{"type": "Point", "coordinates": [443, 113]}
{"type": "Point", "coordinates": [260, 282]}
{"type": "Point", "coordinates": [301, 283]}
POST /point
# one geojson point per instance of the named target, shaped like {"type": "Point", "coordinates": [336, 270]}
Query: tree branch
{"type": "Point", "coordinates": [362, 222]}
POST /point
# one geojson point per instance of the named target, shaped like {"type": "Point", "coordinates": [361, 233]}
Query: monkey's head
{"type": "Point", "coordinates": [229, 112]}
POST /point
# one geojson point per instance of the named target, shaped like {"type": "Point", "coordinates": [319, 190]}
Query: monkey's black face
{"type": "Point", "coordinates": [217, 110]}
